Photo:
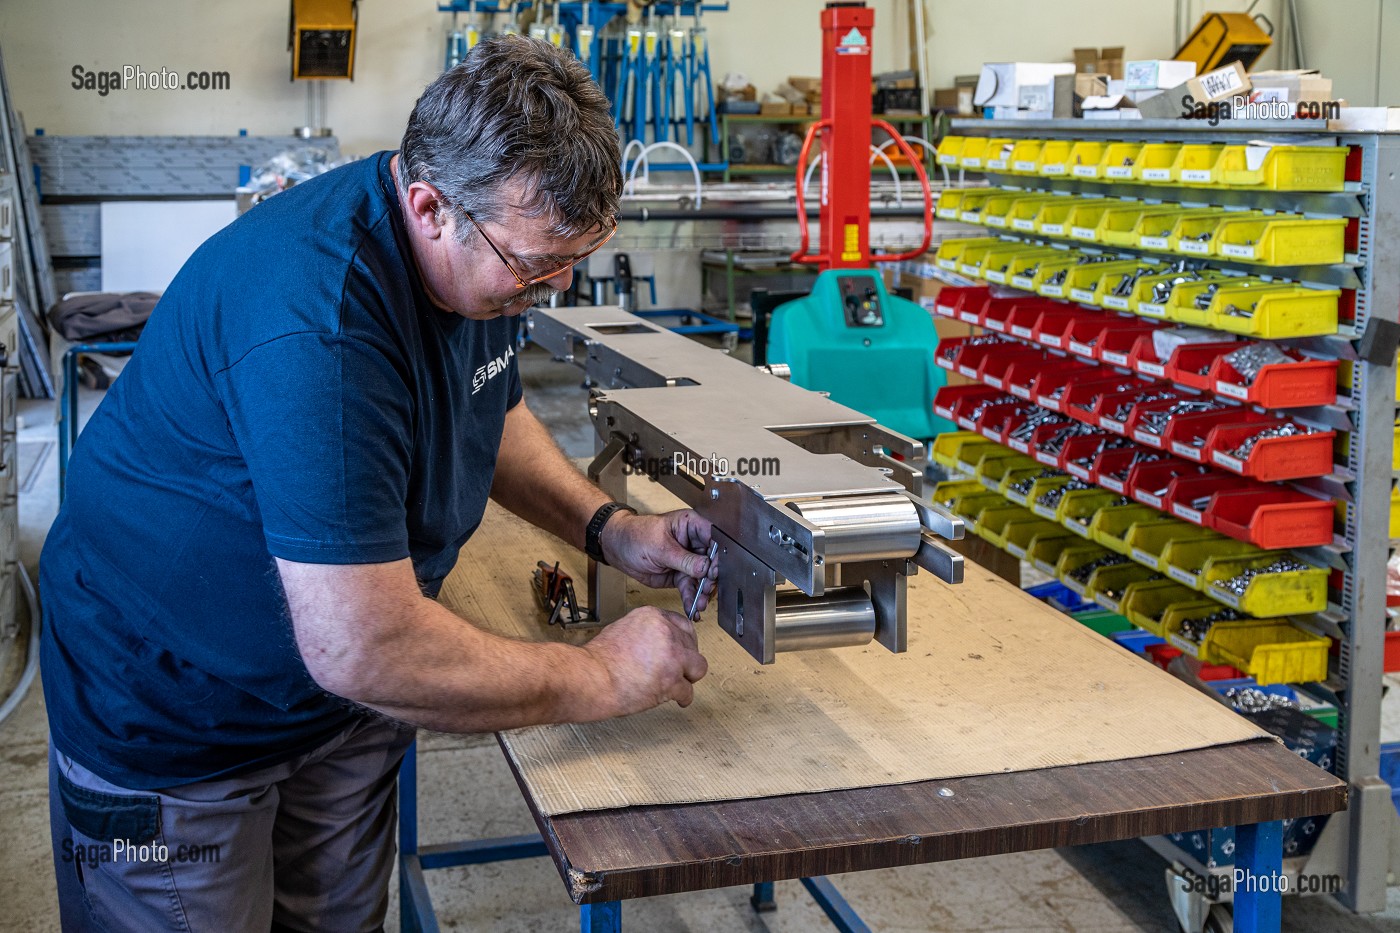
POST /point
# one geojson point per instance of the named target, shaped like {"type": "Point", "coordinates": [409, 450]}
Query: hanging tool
{"type": "Point", "coordinates": [584, 35]}
{"type": "Point", "coordinates": [651, 51]}
{"type": "Point", "coordinates": [512, 26]}
{"type": "Point", "coordinates": [538, 27]}
{"type": "Point", "coordinates": [555, 34]}
{"type": "Point", "coordinates": [701, 49]}
{"type": "Point", "coordinates": [555, 590]}
{"type": "Point", "coordinates": [471, 33]}
{"type": "Point", "coordinates": [679, 72]}
{"type": "Point", "coordinates": [624, 104]}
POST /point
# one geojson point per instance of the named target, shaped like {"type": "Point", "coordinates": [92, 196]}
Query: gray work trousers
{"type": "Point", "coordinates": [303, 845]}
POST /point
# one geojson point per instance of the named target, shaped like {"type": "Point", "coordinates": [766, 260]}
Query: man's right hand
{"type": "Point", "coordinates": [650, 656]}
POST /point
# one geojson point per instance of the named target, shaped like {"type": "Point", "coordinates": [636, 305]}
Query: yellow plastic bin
{"type": "Point", "coordinates": [1195, 235]}
{"type": "Point", "coordinates": [1285, 168]}
{"type": "Point", "coordinates": [946, 446]}
{"type": "Point", "coordinates": [1119, 161]}
{"type": "Point", "coordinates": [1107, 292]}
{"type": "Point", "coordinates": [1083, 221]}
{"type": "Point", "coordinates": [1040, 487]}
{"type": "Point", "coordinates": [1190, 301]}
{"type": "Point", "coordinates": [1144, 299]}
{"type": "Point", "coordinates": [950, 150]}
{"type": "Point", "coordinates": [1054, 157]}
{"type": "Point", "coordinates": [1019, 260]}
{"type": "Point", "coordinates": [970, 262]}
{"type": "Point", "coordinates": [1025, 157]}
{"type": "Point", "coordinates": [997, 260]}
{"type": "Point", "coordinates": [1108, 585]}
{"type": "Point", "coordinates": [1082, 282]}
{"type": "Point", "coordinates": [970, 207]}
{"type": "Point", "coordinates": [1282, 240]}
{"type": "Point", "coordinates": [1154, 163]}
{"type": "Point", "coordinates": [949, 255]}
{"type": "Point", "coordinates": [1155, 226]}
{"type": "Point", "coordinates": [1280, 311]}
{"type": "Point", "coordinates": [1197, 164]}
{"type": "Point", "coordinates": [1047, 548]}
{"type": "Point", "coordinates": [1073, 558]}
{"type": "Point", "coordinates": [1076, 508]}
{"type": "Point", "coordinates": [970, 456]}
{"type": "Point", "coordinates": [1086, 158]}
{"type": "Point", "coordinates": [992, 522]}
{"type": "Point", "coordinates": [949, 203]}
{"type": "Point", "coordinates": [1117, 225]}
{"type": "Point", "coordinates": [972, 152]}
{"type": "Point", "coordinates": [1027, 208]}
{"type": "Point", "coordinates": [1031, 272]}
{"type": "Point", "coordinates": [993, 470]}
{"type": "Point", "coordinates": [1021, 534]}
{"type": "Point", "coordinates": [1145, 604]}
{"type": "Point", "coordinates": [1053, 215]}
{"type": "Point", "coordinates": [1268, 595]}
{"type": "Point", "coordinates": [997, 157]}
{"type": "Point", "coordinates": [995, 209]}
{"type": "Point", "coordinates": [1148, 541]}
{"type": "Point", "coordinates": [1270, 652]}
{"type": "Point", "coordinates": [987, 461]}
{"type": "Point", "coordinates": [1110, 525]}
{"type": "Point", "coordinates": [1188, 560]}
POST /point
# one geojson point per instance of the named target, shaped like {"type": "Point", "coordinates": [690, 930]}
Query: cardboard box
{"type": "Point", "coordinates": [1108, 61]}
{"type": "Point", "coordinates": [1000, 83]}
{"type": "Point", "coordinates": [1067, 98]}
{"type": "Point", "coordinates": [953, 99]}
{"type": "Point", "coordinates": [775, 108]}
{"type": "Point", "coordinates": [1296, 86]}
{"type": "Point", "coordinates": [806, 85]}
{"type": "Point", "coordinates": [1222, 84]}
{"type": "Point", "coordinates": [1157, 74]}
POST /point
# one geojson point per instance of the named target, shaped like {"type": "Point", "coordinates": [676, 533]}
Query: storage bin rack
{"type": "Point", "coordinates": [1199, 167]}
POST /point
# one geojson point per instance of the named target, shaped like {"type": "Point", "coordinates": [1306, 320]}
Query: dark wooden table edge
{"type": "Point", "coordinates": [1327, 795]}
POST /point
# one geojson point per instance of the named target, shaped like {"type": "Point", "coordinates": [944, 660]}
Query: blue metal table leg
{"type": "Point", "coordinates": [1258, 877]}
{"type": "Point", "coordinates": [415, 908]}
{"type": "Point", "coordinates": [600, 918]}
{"type": "Point", "coordinates": [842, 916]}
{"type": "Point", "coordinates": [762, 897]}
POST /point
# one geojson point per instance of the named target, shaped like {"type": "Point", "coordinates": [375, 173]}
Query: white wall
{"type": "Point", "coordinates": [399, 51]}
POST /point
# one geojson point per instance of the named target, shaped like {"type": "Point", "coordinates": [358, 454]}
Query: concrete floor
{"type": "Point", "coordinates": [468, 793]}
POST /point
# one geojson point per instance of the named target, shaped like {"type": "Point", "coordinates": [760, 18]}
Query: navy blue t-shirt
{"type": "Point", "coordinates": [294, 395]}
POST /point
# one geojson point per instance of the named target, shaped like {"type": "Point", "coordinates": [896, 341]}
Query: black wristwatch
{"type": "Point", "coordinates": [593, 536]}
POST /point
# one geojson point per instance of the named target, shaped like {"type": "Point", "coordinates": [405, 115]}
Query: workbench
{"type": "Point", "coordinates": [608, 856]}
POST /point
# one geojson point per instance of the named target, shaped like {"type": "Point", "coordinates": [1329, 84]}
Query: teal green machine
{"type": "Point", "coordinates": [871, 350]}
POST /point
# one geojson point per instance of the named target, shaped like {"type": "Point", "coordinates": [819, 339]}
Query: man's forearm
{"type": "Point", "coordinates": [537, 482]}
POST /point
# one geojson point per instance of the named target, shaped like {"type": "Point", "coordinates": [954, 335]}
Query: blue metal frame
{"type": "Point", "coordinates": [1259, 862]}
{"type": "Point", "coordinates": [709, 323]}
{"type": "Point", "coordinates": [416, 906]}
{"type": "Point", "coordinates": [68, 405]}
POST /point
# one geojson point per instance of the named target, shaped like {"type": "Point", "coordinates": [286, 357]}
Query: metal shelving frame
{"type": "Point", "coordinates": [1364, 846]}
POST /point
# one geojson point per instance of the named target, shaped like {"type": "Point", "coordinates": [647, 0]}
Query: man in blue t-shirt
{"type": "Point", "coordinates": [239, 629]}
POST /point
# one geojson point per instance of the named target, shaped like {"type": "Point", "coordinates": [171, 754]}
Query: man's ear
{"type": "Point", "coordinates": [427, 212]}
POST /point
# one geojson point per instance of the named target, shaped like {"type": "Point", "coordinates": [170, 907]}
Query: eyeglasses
{"type": "Point", "coordinates": [531, 278]}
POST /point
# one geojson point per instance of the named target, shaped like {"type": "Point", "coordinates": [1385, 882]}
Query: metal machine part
{"type": "Point", "coordinates": [799, 488]}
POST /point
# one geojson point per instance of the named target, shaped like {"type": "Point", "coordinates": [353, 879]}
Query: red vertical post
{"type": "Point", "coordinates": [845, 206]}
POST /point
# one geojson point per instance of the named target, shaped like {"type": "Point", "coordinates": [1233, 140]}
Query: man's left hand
{"type": "Point", "coordinates": [662, 551]}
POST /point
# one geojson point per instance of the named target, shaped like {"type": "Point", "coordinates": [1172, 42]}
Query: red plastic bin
{"type": "Point", "coordinates": [1271, 517]}
{"type": "Point", "coordinates": [1050, 390]}
{"type": "Point", "coordinates": [946, 402]}
{"type": "Point", "coordinates": [1186, 492]}
{"type": "Point", "coordinates": [952, 298]}
{"type": "Point", "coordinates": [1112, 467]}
{"type": "Point", "coordinates": [1052, 327]}
{"type": "Point", "coordinates": [997, 366]}
{"type": "Point", "coordinates": [1186, 436]}
{"type": "Point", "coordinates": [1273, 458]}
{"type": "Point", "coordinates": [1150, 483]}
{"type": "Point", "coordinates": [1022, 376]}
{"type": "Point", "coordinates": [1118, 342]}
{"type": "Point", "coordinates": [1280, 385]}
{"type": "Point", "coordinates": [1192, 364]}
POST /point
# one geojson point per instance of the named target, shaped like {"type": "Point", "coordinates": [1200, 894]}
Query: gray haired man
{"type": "Point", "coordinates": [240, 635]}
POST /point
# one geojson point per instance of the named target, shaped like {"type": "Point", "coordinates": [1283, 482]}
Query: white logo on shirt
{"type": "Point", "coordinates": [491, 370]}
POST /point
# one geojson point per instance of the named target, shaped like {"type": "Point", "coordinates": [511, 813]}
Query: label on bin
{"type": "Point", "coordinates": [1186, 645]}
{"type": "Point", "coordinates": [946, 213]}
{"type": "Point", "coordinates": [1051, 340]}
{"type": "Point", "coordinates": [1151, 309]}
{"type": "Point", "coordinates": [1085, 171]}
{"type": "Point", "coordinates": [1020, 223]}
{"type": "Point", "coordinates": [998, 326]}
{"type": "Point", "coordinates": [1074, 585]}
{"type": "Point", "coordinates": [1147, 437]}
{"type": "Point", "coordinates": [1148, 498]}
{"type": "Point", "coordinates": [1238, 250]}
{"type": "Point", "coordinates": [945, 310]}
{"type": "Point", "coordinates": [972, 162]}
{"type": "Point", "coordinates": [969, 269]}
{"type": "Point", "coordinates": [994, 276]}
{"type": "Point", "coordinates": [969, 317]}
{"type": "Point", "coordinates": [1015, 550]}
{"type": "Point", "coordinates": [1081, 530]}
{"type": "Point", "coordinates": [1186, 512]}
{"type": "Point", "coordinates": [1077, 470]}
{"type": "Point", "coordinates": [1114, 425]}
{"type": "Point", "coordinates": [1143, 557]}
{"type": "Point", "coordinates": [1052, 229]}
{"type": "Point", "coordinates": [948, 264]}
{"type": "Point", "coordinates": [1083, 233]}
{"type": "Point", "coordinates": [1195, 174]}
{"type": "Point", "coordinates": [1156, 174]}
{"type": "Point", "coordinates": [1053, 168]}
{"type": "Point", "coordinates": [941, 361]}
{"type": "Point", "coordinates": [1225, 596]}
{"type": "Point", "coordinates": [968, 371]}
{"type": "Point", "coordinates": [1230, 390]}
{"type": "Point", "coordinates": [1119, 171]}
{"type": "Point", "coordinates": [1043, 512]}
{"type": "Point", "coordinates": [1021, 165]}
{"type": "Point", "coordinates": [1228, 462]}
{"type": "Point", "coordinates": [1114, 359]}
{"type": "Point", "coordinates": [1117, 302]}
{"type": "Point", "coordinates": [947, 160]}
{"type": "Point", "coordinates": [994, 220]}
{"type": "Point", "coordinates": [1184, 576]}
{"type": "Point", "coordinates": [1199, 247]}
{"type": "Point", "coordinates": [1111, 484]}
{"type": "Point", "coordinates": [970, 217]}
{"type": "Point", "coordinates": [1022, 281]}
{"type": "Point", "coordinates": [968, 423]}
{"type": "Point", "coordinates": [1053, 291]}
{"type": "Point", "coordinates": [1083, 349]}
{"type": "Point", "coordinates": [1152, 369]}
{"type": "Point", "coordinates": [1020, 447]}
{"type": "Point", "coordinates": [996, 164]}
{"type": "Point", "coordinates": [1153, 242]}
{"type": "Point", "coordinates": [1189, 451]}
{"type": "Point", "coordinates": [1021, 392]}
{"type": "Point", "coordinates": [1046, 401]}
{"type": "Point", "coordinates": [1021, 332]}
{"type": "Point", "coordinates": [1082, 294]}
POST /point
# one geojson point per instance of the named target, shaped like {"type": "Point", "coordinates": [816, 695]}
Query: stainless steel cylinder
{"type": "Point", "coordinates": [864, 527]}
{"type": "Point", "coordinates": [839, 619]}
